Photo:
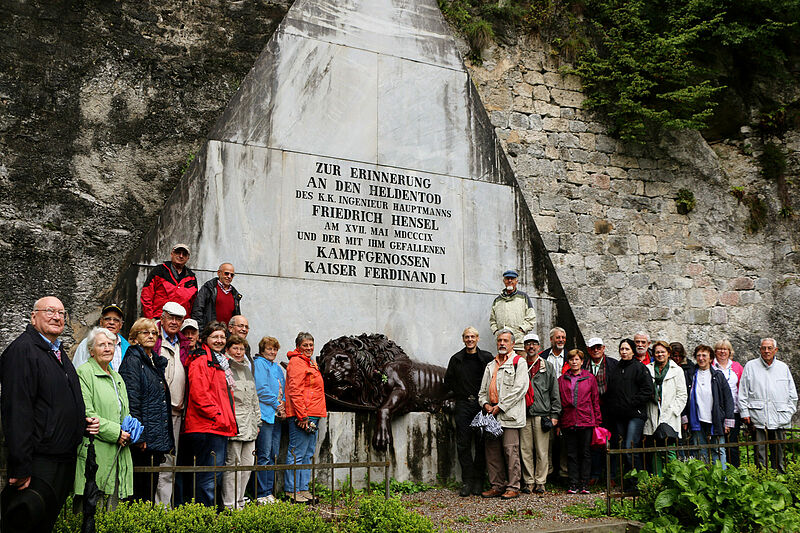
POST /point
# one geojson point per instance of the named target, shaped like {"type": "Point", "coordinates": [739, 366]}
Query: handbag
{"type": "Point", "coordinates": [547, 424]}
{"type": "Point", "coordinates": [600, 436]}
{"type": "Point", "coordinates": [664, 431]}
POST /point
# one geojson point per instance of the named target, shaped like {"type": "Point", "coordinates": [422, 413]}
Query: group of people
{"type": "Point", "coordinates": [550, 402]}
{"type": "Point", "coordinates": [185, 373]}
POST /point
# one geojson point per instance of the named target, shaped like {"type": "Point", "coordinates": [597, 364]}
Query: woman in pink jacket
{"type": "Point", "coordinates": [580, 414]}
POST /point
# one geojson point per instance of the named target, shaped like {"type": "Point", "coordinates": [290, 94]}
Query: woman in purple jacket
{"type": "Point", "coordinates": [580, 414]}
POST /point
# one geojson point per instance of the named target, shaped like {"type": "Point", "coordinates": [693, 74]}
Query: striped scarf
{"type": "Point", "coordinates": [602, 380]}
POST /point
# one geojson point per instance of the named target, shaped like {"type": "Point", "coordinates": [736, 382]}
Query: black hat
{"type": "Point", "coordinates": [23, 510]}
{"type": "Point", "coordinates": [112, 307]}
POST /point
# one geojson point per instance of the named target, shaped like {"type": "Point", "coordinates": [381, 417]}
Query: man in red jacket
{"type": "Point", "coordinates": [171, 281]}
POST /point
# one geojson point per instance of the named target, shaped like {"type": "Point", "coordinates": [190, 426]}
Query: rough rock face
{"type": "Point", "coordinates": [607, 212]}
{"type": "Point", "coordinates": [101, 105]}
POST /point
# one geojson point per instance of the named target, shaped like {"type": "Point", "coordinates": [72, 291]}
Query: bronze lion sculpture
{"type": "Point", "coordinates": [371, 372]}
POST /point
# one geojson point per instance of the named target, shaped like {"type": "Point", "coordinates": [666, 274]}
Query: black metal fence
{"type": "Point", "coordinates": [676, 450]}
{"type": "Point", "coordinates": [194, 469]}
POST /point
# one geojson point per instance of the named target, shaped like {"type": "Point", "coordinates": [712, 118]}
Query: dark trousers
{"type": "Point", "coordinates": [578, 442]}
{"type": "Point", "coordinates": [629, 432]}
{"type": "Point", "coordinates": [775, 450]}
{"type": "Point", "coordinates": [472, 466]}
{"type": "Point", "coordinates": [733, 453]}
{"type": "Point", "coordinates": [60, 476]}
{"type": "Point", "coordinates": [210, 450]}
{"type": "Point", "coordinates": [145, 483]}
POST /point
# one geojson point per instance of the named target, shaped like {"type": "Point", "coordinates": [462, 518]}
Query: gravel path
{"type": "Point", "coordinates": [533, 512]}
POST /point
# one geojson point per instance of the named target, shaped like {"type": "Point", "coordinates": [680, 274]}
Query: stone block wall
{"type": "Point", "coordinates": [606, 210]}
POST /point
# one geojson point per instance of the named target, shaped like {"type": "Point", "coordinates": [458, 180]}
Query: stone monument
{"type": "Point", "coordinates": [355, 182]}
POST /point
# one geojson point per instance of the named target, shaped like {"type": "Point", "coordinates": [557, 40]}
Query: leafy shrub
{"type": "Point", "coordinates": [374, 513]}
{"type": "Point", "coordinates": [280, 517]}
{"type": "Point", "coordinates": [698, 497]}
{"type": "Point", "coordinates": [388, 516]}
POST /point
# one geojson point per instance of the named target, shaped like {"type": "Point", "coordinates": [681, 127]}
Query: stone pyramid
{"type": "Point", "coordinates": [357, 185]}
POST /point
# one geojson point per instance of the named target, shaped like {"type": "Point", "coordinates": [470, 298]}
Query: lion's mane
{"type": "Point", "coordinates": [371, 354]}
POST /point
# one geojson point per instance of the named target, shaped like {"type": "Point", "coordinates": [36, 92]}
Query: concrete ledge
{"type": "Point", "coordinates": [607, 526]}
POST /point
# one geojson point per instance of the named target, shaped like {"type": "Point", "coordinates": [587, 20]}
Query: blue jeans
{"type": "Point", "coordinates": [704, 436]}
{"type": "Point", "coordinates": [301, 448]}
{"type": "Point", "coordinates": [268, 445]}
{"type": "Point", "coordinates": [631, 433]}
{"type": "Point", "coordinates": [205, 447]}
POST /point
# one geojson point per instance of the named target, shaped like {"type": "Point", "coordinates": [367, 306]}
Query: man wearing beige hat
{"type": "Point", "coordinates": [171, 281]}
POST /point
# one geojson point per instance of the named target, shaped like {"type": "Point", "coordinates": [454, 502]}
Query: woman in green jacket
{"type": "Point", "coordinates": [105, 397]}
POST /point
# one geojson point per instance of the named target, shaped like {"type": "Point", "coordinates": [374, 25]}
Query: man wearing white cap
{"type": "Point", "coordinates": [173, 346]}
{"type": "Point", "coordinates": [540, 414]}
{"type": "Point", "coordinates": [601, 367]}
{"type": "Point", "coordinates": [191, 330]}
{"type": "Point", "coordinates": [171, 281]}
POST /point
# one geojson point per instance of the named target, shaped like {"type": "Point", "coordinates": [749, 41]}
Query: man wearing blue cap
{"type": "Point", "coordinates": [513, 310]}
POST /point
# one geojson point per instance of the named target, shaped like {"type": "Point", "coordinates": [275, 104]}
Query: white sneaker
{"type": "Point", "coordinates": [262, 500]}
{"type": "Point", "coordinates": [270, 499]}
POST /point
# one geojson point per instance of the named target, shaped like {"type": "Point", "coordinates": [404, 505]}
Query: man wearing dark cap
{"type": "Point", "coordinates": [171, 281]}
{"type": "Point", "coordinates": [111, 319]}
{"type": "Point", "coordinates": [513, 310]}
{"type": "Point", "coordinates": [44, 420]}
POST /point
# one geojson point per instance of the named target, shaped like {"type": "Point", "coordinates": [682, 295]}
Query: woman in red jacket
{"type": "Point", "coordinates": [210, 418]}
{"type": "Point", "coordinates": [580, 404]}
{"type": "Point", "coordinates": [305, 405]}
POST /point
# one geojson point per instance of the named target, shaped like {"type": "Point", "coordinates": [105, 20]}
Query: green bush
{"type": "Point", "coordinates": [374, 513]}
{"type": "Point", "coordinates": [388, 516]}
{"type": "Point", "coordinates": [694, 496]}
{"type": "Point", "coordinates": [280, 517]}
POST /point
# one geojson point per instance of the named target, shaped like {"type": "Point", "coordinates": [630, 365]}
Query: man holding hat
{"type": "Point", "coordinates": [173, 346]}
{"type": "Point", "coordinates": [513, 310]}
{"type": "Point", "coordinates": [44, 420]}
{"type": "Point", "coordinates": [541, 416]}
{"type": "Point", "coordinates": [111, 319]}
{"type": "Point", "coordinates": [171, 281]}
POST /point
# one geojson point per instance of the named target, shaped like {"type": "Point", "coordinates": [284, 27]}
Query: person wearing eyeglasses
{"type": "Point", "coordinates": [217, 299]}
{"type": "Point", "coordinates": [110, 319]}
{"type": "Point", "coordinates": [142, 369]}
{"type": "Point", "coordinates": [43, 416]}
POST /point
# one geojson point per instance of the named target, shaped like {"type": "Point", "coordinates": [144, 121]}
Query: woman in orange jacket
{"type": "Point", "coordinates": [305, 405]}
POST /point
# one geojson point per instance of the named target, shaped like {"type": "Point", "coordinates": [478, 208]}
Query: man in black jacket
{"type": "Point", "coordinates": [463, 379]}
{"type": "Point", "coordinates": [217, 299]}
{"type": "Point", "coordinates": [42, 411]}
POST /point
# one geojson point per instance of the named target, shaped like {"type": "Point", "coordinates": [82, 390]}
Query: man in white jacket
{"type": "Point", "coordinates": [767, 401]}
{"type": "Point", "coordinates": [502, 394]}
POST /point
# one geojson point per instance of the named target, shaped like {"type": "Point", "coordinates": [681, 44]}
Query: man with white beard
{"type": "Point", "coordinates": [642, 342]}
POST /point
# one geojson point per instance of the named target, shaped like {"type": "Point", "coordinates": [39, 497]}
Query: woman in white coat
{"type": "Point", "coordinates": [664, 410]}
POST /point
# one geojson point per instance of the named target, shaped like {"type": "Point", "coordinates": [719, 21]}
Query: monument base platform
{"type": "Point", "coordinates": [424, 448]}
